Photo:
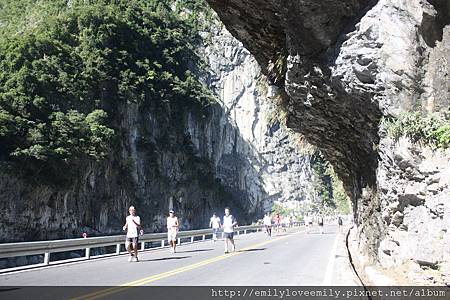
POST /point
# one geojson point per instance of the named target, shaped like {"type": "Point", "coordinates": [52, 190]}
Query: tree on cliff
{"type": "Point", "coordinates": [66, 67]}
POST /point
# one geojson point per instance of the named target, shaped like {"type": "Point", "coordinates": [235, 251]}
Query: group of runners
{"type": "Point", "coordinates": [278, 222]}
{"type": "Point", "coordinates": [228, 224]}
{"type": "Point", "coordinates": [310, 220]}
{"type": "Point", "coordinates": [134, 229]}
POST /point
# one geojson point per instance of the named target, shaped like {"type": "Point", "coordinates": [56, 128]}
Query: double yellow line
{"type": "Point", "coordinates": [146, 280]}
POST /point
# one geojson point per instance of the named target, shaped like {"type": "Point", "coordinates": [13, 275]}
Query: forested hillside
{"type": "Point", "coordinates": [66, 67]}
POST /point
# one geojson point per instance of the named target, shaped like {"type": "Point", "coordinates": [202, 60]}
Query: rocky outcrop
{"type": "Point", "coordinates": [343, 66]}
{"type": "Point", "coordinates": [415, 186]}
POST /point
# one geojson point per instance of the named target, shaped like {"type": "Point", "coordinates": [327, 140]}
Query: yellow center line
{"type": "Point", "coordinates": [142, 281]}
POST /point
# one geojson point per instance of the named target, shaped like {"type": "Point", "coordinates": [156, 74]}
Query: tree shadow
{"type": "Point", "coordinates": [164, 258]}
{"type": "Point", "coordinates": [199, 250]}
{"type": "Point", "coordinates": [251, 250]}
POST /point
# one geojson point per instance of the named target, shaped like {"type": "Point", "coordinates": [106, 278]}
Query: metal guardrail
{"type": "Point", "coordinates": [48, 247]}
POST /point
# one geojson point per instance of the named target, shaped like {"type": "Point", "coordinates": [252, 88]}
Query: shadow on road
{"type": "Point", "coordinates": [8, 289]}
{"type": "Point", "coordinates": [250, 250]}
{"type": "Point", "coordinates": [164, 258]}
{"type": "Point", "coordinates": [200, 250]}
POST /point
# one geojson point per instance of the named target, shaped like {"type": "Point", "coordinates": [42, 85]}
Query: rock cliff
{"type": "Point", "coordinates": [343, 67]}
{"type": "Point", "coordinates": [234, 154]}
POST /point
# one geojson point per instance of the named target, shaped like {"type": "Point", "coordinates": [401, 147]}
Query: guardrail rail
{"type": "Point", "coordinates": [52, 246]}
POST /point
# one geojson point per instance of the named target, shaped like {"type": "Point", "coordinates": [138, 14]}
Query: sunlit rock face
{"type": "Point", "coordinates": [343, 66]}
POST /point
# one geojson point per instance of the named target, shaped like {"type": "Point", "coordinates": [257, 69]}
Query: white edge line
{"type": "Point", "coordinates": [330, 266]}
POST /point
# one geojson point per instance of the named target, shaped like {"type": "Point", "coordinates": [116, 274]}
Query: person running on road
{"type": "Point", "coordinates": [306, 219]}
{"type": "Point", "coordinates": [268, 224]}
{"type": "Point", "coordinates": [340, 224]}
{"type": "Point", "coordinates": [310, 222]}
{"type": "Point", "coordinates": [132, 224]}
{"type": "Point", "coordinates": [229, 222]}
{"type": "Point", "coordinates": [320, 222]}
{"type": "Point", "coordinates": [285, 222]}
{"type": "Point", "coordinates": [172, 230]}
{"type": "Point", "coordinates": [277, 222]}
{"type": "Point", "coordinates": [214, 223]}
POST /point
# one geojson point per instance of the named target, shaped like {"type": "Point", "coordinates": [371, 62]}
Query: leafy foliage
{"type": "Point", "coordinates": [67, 66]}
{"type": "Point", "coordinates": [281, 210]}
{"type": "Point", "coordinates": [433, 130]}
{"type": "Point", "coordinates": [329, 191]}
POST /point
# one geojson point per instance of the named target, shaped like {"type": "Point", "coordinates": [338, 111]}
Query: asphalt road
{"type": "Point", "coordinates": [287, 258]}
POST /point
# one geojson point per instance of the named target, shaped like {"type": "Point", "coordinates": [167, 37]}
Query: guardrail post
{"type": "Point", "coordinates": [257, 229]}
{"type": "Point", "coordinates": [88, 253]}
{"type": "Point", "coordinates": [142, 246]}
{"type": "Point", "coordinates": [203, 237]}
{"type": "Point", "coordinates": [245, 231]}
{"type": "Point", "coordinates": [46, 258]}
{"type": "Point", "coordinates": [117, 249]}
{"type": "Point", "coordinates": [162, 244]}
{"type": "Point", "coordinates": [192, 239]}
{"type": "Point", "coordinates": [237, 232]}
{"type": "Point", "coordinates": [179, 241]}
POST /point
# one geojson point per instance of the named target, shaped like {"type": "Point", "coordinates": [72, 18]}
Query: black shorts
{"type": "Point", "coordinates": [228, 235]}
{"type": "Point", "coordinates": [133, 240]}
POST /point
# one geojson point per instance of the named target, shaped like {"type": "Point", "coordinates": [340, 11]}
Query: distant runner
{"type": "Point", "coordinates": [306, 221]}
{"type": "Point", "coordinates": [340, 223]}
{"type": "Point", "coordinates": [277, 222]}
{"type": "Point", "coordinates": [285, 222]}
{"type": "Point", "coordinates": [214, 223]}
{"type": "Point", "coordinates": [132, 224]}
{"type": "Point", "coordinates": [320, 221]}
{"type": "Point", "coordinates": [172, 230]}
{"type": "Point", "coordinates": [268, 224]}
{"type": "Point", "coordinates": [229, 222]}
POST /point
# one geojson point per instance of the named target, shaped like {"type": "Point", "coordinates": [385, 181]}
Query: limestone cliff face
{"type": "Point", "coordinates": [233, 154]}
{"type": "Point", "coordinates": [344, 65]}
{"type": "Point", "coordinates": [279, 167]}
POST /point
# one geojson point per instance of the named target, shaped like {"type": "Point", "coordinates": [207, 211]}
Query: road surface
{"type": "Point", "coordinates": [287, 258]}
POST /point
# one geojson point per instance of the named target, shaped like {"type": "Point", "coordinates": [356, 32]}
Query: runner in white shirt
{"type": "Point", "coordinates": [214, 223]}
{"type": "Point", "coordinates": [229, 222]}
{"type": "Point", "coordinates": [172, 230]}
{"type": "Point", "coordinates": [268, 224]}
{"type": "Point", "coordinates": [132, 225]}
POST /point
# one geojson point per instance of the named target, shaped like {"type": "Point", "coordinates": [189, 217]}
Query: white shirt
{"type": "Point", "coordinates": [171, 222]}
{"type": "Point", "coordinates": [132, 231]}
{"type": "Point", "coordinates": [228, 224]}
{"type": "Point", "coordinates": [215, 222]}
{"type": "Point", "coordinates": [267, 221]}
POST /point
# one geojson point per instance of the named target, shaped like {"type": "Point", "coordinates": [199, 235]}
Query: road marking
{"type": "Point", "coordinates": [142, 281]}
{"type": "Point", "coordinates": [330, 266]}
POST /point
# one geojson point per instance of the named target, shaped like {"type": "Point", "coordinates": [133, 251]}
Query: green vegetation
{"type": "Point", "coordinates": [340, 197]}
{"type": "Point", "coordinates": [433, 130]}
{"type": "Point", "coordinates": [281, 210]}
{"type": "Point", "coordinates": [329, 194]}
{"type": "Point", "coordinates": [66, 67]}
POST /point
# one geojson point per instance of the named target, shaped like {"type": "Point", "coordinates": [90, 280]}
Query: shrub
{"type": "Point", "coordinates": [433, 130]}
